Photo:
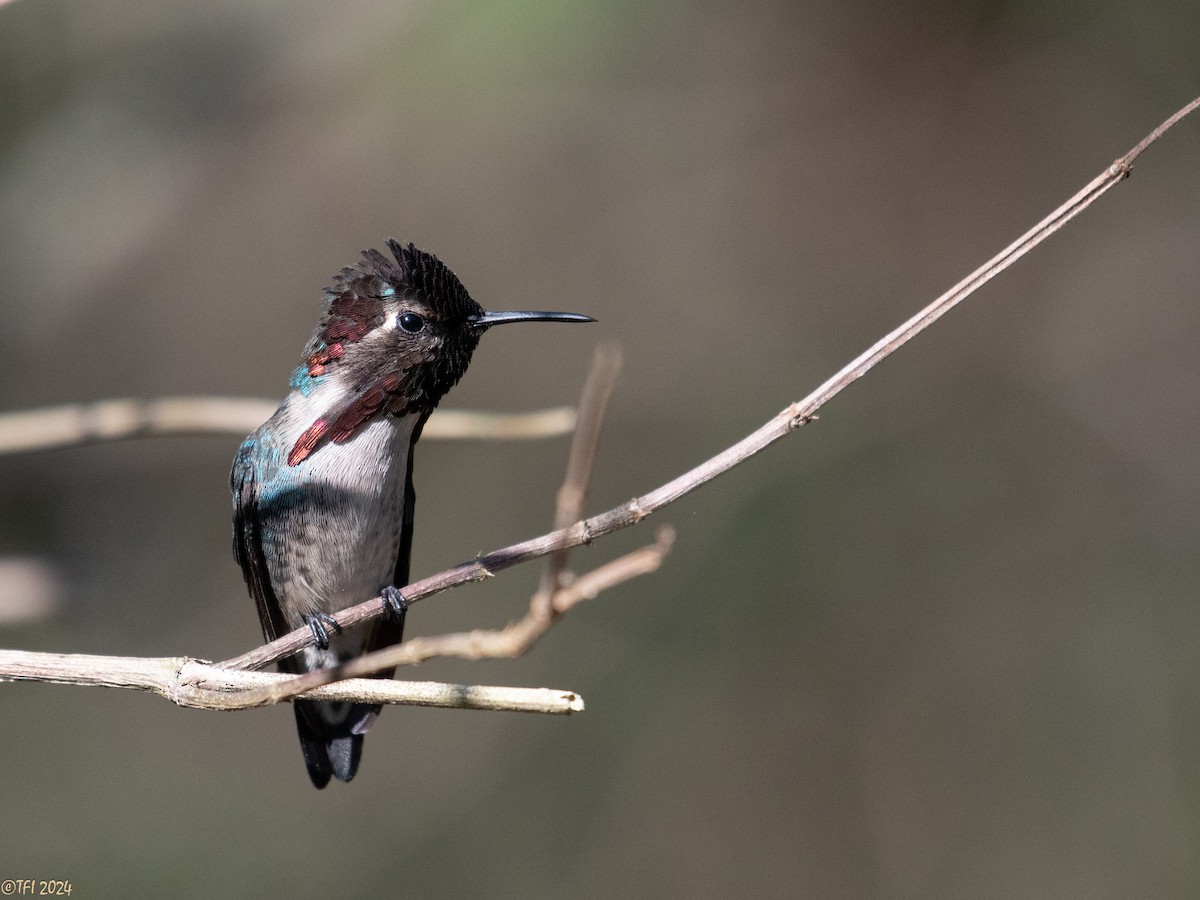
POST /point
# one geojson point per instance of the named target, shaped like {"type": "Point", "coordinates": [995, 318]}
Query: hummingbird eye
{"type": "Point", "coordinates": [411, 322]}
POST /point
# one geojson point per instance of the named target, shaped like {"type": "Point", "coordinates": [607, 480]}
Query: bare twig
{"type": "Point", "coordinates": [606, 366]}
{"type": "Point", "coordinates": [114, 420]}
{"type": "Point", "coordinates": [786, 421]}
{"type": "Point", "coordinates": [195, 683]}
{"type": "Point", "coordinates": [1127, 160]}
{"type": "Point", "coordinates": [461, 424]}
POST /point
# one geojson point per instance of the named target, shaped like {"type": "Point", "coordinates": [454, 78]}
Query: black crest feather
{"type": "Point", "coordinates": [414, 273]}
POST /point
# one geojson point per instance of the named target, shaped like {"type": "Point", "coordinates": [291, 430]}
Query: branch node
{"type": "Point", "coordinates": [798, 419]}
{"type": "Point", "coordinates": [636, 513]}
{"type": "Point", "coordinates": [177, 689]}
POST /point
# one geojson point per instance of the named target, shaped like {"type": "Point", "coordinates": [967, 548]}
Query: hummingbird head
{"type": "Point", "coordinates": [396, 336]}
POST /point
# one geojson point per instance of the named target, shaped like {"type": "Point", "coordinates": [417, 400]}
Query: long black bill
{"type": "Point", "coordinates": [488, 319]}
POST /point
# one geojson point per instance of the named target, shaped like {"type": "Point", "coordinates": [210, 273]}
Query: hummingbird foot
{"type": "Point", "coordinates": [395, 604]}
{"type": "Point", "coordinates": [321, 624]}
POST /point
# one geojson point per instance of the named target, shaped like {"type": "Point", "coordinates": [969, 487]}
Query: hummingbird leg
{"type": "Point", "coordinates": [320, 625]}
{"type": "Point", "coordinates": [395, 605]}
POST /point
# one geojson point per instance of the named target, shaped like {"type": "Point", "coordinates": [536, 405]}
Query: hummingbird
{"type": "Point", "coordinates": [323, 491]}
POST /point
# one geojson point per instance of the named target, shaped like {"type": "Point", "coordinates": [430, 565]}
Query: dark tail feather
{"type": "Point", "coordinates": [332, 752]}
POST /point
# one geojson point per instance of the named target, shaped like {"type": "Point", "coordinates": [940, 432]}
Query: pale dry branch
{"type": "Point", "coordinates": [114, 420]}
{"type": "Point", "coordinates": [201, 685]}
{"type": "Point", "coordinates": [460, 424]}
{"type": "Point", "coordinates": [502, 643]}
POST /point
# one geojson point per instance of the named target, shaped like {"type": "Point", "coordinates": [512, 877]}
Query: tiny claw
{"type": "Point", "coordinates": [320, 624]}
{"type": "Point", "coordinates": [395, 604]}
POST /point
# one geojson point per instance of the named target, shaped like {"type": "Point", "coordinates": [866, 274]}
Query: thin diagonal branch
{"type": "Point", "coordinates": [785, 422]}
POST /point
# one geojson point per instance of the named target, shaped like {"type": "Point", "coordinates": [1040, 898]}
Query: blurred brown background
{"type": "Point", "coordinates": [940, 644]}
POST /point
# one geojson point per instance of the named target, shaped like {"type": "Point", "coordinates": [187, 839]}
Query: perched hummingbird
{"type": "Point", "coordinates": [323, 493]}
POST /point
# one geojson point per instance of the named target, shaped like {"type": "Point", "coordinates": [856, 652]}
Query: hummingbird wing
{"type": "Point", "coordinates": [324, 755]}
{"type": "Point", "coordinates": [247, 544]}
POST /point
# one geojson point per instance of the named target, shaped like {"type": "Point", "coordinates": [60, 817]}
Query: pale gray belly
{"type": "Point", "coordinates": [333, 539]}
